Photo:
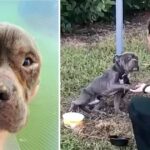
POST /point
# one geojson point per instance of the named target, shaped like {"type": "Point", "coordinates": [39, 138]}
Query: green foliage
{"type": "Point", "coordinates": [137, 5]}
{"type": "Point", "coordinates": [83, 11]}
{"type": "Point", "coordinates": [89, 11]}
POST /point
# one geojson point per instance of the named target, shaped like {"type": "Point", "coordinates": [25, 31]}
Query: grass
{"type": "Point", "coordinates": [80, 63]}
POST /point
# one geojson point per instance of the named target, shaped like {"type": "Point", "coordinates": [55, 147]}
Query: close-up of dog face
{"type": "Point", "coordinates": [19, 76]}
{"type": "Point", "coordinates": [127, 61]}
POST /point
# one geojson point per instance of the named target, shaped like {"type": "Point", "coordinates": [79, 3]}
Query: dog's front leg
{"type": "Point", "coordinates": [117, 87]}
{"type": "Point", "coordinates": [117, 101]}
{"type": "Point", "coordinates": [118, 97]}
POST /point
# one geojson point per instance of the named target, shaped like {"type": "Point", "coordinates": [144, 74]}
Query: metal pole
{"type": "Point", "coordinates": [119, 27]}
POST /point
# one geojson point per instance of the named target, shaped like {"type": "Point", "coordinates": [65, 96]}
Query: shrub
{"type": "Point", "coordinates": [89, 11]}
{"type": "Point", "coordinates": [83, 11]}
{"type": "Point", "coordinates": [137, 5]}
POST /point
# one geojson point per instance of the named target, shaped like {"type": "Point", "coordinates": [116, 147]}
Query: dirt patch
{"type": "Point", "coordinates": [101, 129]}
{"type": "Point", "coordinates": [108, 123]}
{"type": "Point", "coordinates": [97, 32]}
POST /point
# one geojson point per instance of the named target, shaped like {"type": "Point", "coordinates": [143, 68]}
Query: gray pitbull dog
{"type": "Point", "coordinates": [108, 84]}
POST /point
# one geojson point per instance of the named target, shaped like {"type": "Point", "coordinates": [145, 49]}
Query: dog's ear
{"type": "Point", "coordinates": [116, 58]}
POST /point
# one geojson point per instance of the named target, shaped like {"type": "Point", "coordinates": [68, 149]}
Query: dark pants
{"type": "Point", "coordinates": [139, 112]}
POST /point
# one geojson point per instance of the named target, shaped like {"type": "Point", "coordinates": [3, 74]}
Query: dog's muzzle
{"type": "Point", "coordinates": [136, 68]}
{"type": "Point", "coordinates": [135, 64]}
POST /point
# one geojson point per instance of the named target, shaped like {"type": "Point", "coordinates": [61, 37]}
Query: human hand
{"type": "Point", "coordinates": [138, 88]}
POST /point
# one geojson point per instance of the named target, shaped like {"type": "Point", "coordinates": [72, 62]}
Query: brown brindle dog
{"type": "Point", "coordinates": [19, 76]}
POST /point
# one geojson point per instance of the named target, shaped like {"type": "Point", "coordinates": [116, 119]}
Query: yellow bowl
{"type": "Point", "coordinates": [72, 119]}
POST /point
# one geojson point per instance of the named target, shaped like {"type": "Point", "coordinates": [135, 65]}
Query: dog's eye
{"type": "Point", "coordinates": [27, 62]}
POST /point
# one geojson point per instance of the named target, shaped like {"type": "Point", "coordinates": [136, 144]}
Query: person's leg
{"type": "Point", "coordinates": [139, 112]}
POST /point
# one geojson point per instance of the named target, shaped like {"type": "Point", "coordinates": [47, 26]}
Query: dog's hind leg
{"type": "Point", "coordinates": [81, 102]}
{"type": "Point", "coordinates": [84, 108]}
{"type": "Point", "coordinates": [97, 108]}
{"type": "Point", "coordinates": [73, 106]}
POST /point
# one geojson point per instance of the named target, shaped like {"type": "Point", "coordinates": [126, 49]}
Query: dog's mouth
{"type": "Point", "coordinates": [135, 69]}
{"type": "Point", "coordinates": [13, 115]}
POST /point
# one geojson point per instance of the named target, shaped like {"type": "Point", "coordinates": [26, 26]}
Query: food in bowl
{"type": "Point", "coordinates": [72, 119]}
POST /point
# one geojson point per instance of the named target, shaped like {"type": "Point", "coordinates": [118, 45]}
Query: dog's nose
{"type": "Point", "coordinates": [4, 93]}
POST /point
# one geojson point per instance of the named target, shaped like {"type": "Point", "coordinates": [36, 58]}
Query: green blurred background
{"type": "Point", "coordinates": [40, 19]}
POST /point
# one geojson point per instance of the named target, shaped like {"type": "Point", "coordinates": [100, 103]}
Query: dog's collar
{"type": "Point", "coordinates": [123, 76]}
{"type": "Point", "coordinates": [118, 68]}
{"type": "Point", "coordinates": [122, 73]}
